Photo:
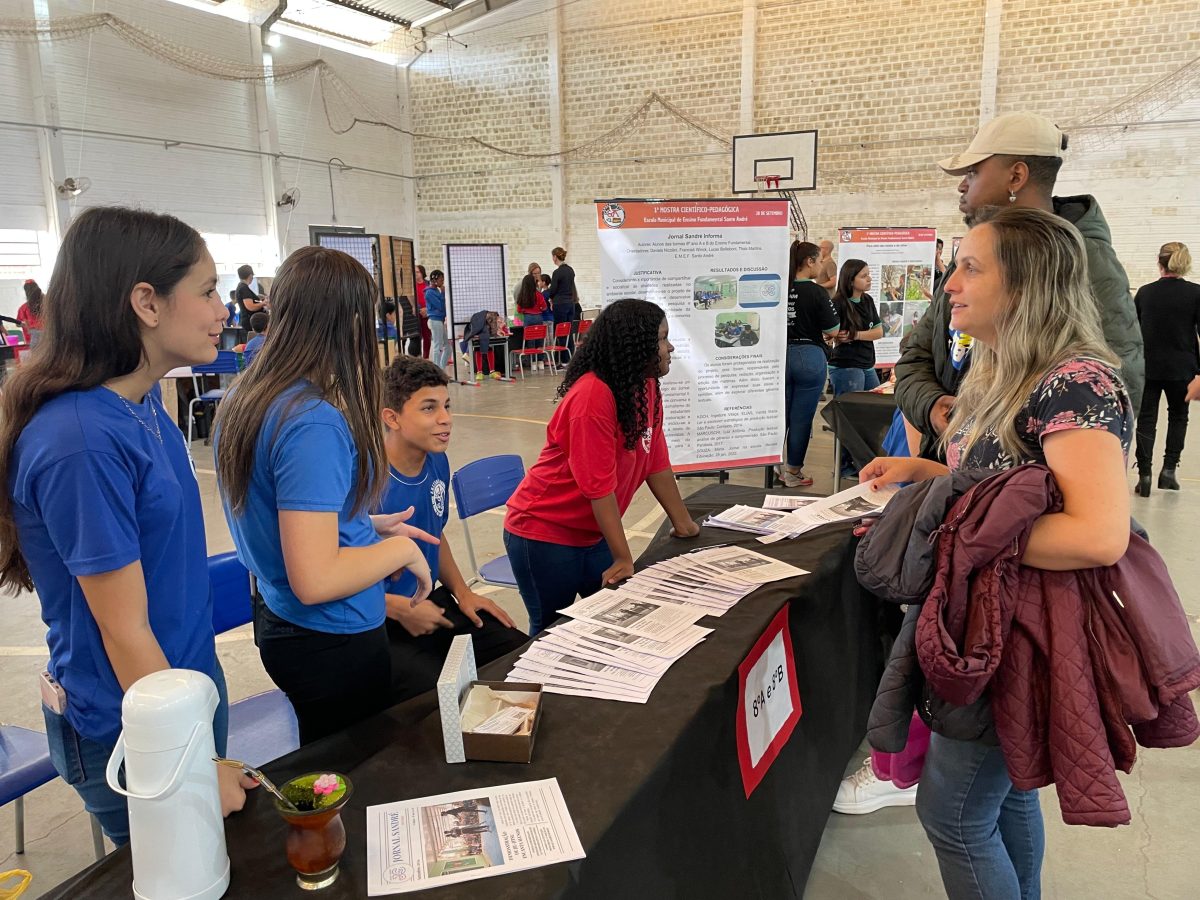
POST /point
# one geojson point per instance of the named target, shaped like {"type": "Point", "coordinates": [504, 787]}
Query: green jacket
{"type": "Point", "coordinates": [925, 372]}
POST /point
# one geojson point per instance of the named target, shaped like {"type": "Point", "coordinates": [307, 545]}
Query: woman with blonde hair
{"type": "Point", "coordinates": [1168, 311]}
{"type": "Point", "coordinates": [1043, 387]}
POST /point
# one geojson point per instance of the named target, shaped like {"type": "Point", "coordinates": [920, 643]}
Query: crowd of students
{"type": "Point", "coordinates": [334, 479]}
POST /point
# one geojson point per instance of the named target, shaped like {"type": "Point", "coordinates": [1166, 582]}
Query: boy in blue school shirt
{"type": "Point", "coordinates": [435, 308]}
{"type": "Point", "coordinates": [417, 419]}
{"type": "Point", "coordinates": [259, 323]}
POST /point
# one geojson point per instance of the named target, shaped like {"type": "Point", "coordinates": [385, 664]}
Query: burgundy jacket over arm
{"type": "Point", "coordinates": [1071, 660]}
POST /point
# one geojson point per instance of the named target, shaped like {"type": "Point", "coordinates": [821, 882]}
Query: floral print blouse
{"type": "Point", "coordinates": [1080, 393]}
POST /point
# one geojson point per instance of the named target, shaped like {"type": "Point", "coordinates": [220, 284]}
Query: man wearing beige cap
{"type": "Point", "coordinates": [1013, 160]}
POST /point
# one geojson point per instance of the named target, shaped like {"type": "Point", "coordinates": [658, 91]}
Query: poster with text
{"type": "Point", "coordinates": [901, 265]}
{"type": "Point", "coordinates": [718, 268]}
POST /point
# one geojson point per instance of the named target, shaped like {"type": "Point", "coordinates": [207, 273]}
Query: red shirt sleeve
{"type": "Point", "coordinates": [593, 442]}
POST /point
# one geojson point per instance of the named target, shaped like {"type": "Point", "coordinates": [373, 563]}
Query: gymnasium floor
{"type": "Point", "coordinates": [876, 856]}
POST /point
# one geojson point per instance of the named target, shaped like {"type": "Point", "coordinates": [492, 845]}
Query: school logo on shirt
{"type": "Point", "coordinates": [647, 439]}
{"type": "Point", "coordinates": [437, 494]}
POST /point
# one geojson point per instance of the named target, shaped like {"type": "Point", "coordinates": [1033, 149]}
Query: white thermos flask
{"type": "Point", "coordinates": [176, 830]}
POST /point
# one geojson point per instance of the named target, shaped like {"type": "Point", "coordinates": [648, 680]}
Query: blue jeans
{"type": "Point", "coordinates": [81, 762]}
{"type": "Point", "coordinates": [803, 381]}
{"type": "Point", "coordinates": [551, 576]}
{"type": "Point", "coordinates": [439, 350]}
{"type": "Point", "coordinates": [988, 835]}
{"type": "Point", "coordinates": [847, 380]}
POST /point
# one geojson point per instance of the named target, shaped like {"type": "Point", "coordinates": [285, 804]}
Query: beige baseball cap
{"type": "Point", "coordinates": [1014, 134]}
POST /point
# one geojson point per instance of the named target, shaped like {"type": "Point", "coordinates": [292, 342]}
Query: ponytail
{"type": "Point", "coordinates": [1175, 258]}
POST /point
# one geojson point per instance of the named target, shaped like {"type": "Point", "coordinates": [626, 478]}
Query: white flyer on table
{"type": "Point", "coordinates": [845, 506]}
{"type": "Point", "coordinates": [634, 615]}
{"type": "Point", "coordinates": [413, 845]}
{"type": "Point", "coordinates": [746, 565]}
{"type": "Point", "coordinates": [672, 649]}
{"type": "Point", "coordinates": [786, 501]}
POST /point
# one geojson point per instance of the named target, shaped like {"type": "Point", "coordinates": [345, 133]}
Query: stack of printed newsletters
{"type": "Point", "coordinates": [620, 642]}
{"type": "Point", "coordinates": [783, 516]}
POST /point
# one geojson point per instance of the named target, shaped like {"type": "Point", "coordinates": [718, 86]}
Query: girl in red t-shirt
{"type": "Point", "coordinates": [426, 334]}
{"type": "Point", "coordinates": [563, 530]}
{"type": "Point", "coordinates": [30, 313]}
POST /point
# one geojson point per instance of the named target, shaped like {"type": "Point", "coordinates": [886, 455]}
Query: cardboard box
{"type": "Point", "coordinates": [505, 747]}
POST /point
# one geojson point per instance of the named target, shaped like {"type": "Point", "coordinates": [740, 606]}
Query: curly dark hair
{"type": "Point", "coordinates": [407, 375]}
{"type": "Point", "coordinates": [622, 350]}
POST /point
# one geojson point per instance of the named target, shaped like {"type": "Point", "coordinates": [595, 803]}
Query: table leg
{"type": "Point", "coordinates": [837, 464]}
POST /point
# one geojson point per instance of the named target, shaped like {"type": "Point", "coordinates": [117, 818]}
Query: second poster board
{"type": "Point", "coordinates": [901, 265]}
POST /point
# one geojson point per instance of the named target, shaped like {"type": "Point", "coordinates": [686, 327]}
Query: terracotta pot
{"type": "Point", "coordinates": [316, 839]}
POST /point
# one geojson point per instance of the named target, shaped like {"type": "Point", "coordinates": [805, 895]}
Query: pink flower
{"type": "Point", "coordinates": [326, 784]}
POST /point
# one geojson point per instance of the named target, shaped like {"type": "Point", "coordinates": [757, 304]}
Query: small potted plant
{"type": "Point", "coordinates": [316, 837]}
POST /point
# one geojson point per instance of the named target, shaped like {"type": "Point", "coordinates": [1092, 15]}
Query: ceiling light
{"type": "Point", "coordinates": [274, 40]}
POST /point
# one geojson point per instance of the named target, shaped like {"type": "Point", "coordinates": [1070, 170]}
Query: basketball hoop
{"type": "Point", "coordinates": [768, 182]}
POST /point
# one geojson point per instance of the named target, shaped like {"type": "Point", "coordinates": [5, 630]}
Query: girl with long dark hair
{"type": "Point", "coordinates": [810, 319]}
{"type": "Point", "coordinates": [300, 463]}
{"type": "Point", "coordinates": [563, 530]}
{"type": "Point", "coordinates": [101, 512]}
{"type": "Point", "coordinates": [30, 313]}
{"type": "Point", "coordinates": [852, 363]}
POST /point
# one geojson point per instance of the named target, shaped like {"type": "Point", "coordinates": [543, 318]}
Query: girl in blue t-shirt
{"type": "Point", "coordinates": [101, 514]}
{"type": "Point", "coordinates": [300, 463]}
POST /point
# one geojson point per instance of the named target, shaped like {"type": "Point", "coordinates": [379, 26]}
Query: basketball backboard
{"type": "Point", "coordinates": [790, 156]}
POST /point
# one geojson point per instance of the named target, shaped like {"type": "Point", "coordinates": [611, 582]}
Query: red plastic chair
{"type": "Point", "coordinates": [532, 333]}
{"type": "Point", "coordinates": [585, 325]}
{"type": "Point", "coordinates": [562, 331]}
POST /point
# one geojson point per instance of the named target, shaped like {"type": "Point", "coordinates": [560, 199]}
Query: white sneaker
{"type": "Point", "coordinates": [863, 793]}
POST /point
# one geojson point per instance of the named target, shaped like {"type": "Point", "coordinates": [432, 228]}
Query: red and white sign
{"type": "Point", "coordinates": [768, 701]}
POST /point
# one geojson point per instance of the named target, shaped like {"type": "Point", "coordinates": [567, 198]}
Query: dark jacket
{"type": "Point", "coordinates": [895, 561]}
{"type": "Point", "coordinates": [925, 372]}
{"type": "Point", "coordinates": [562, 287]}
{"type": "Point", "coordinates": [1070, 660]}
{"type": "Point", "coordinates": [1168, 312]}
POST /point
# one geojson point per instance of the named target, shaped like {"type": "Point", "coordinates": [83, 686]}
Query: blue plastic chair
{"type": "Point", "coordinates": [24, 766]}
{"type": "Point", "coordinates": [227, 362]}
{"type": "Point", "coordinates": [479, 486]}
{"type": "Point", "coordinates": [262, 727]}
{"type": "Point", "coordinates": [895, 442]}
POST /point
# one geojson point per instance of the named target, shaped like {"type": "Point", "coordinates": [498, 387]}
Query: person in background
{"type": "Point", "coordinates": [101, 512]}
{"type": "Point", "coordinates": [486, 326]}
{"type": "Point", "coordinates": [259, 323]}
{"type": "Point", "coordinates": [417, 424]}
{"type": "Point", "coordinates": [811, 318]}
{"type": "Point", "coordinates": [535, 270]}
{"type": "Point", "coordinates": [30, 313]}
{"type": "Point", "coordinates": [435, 311]}
{"type": "Point", "coordinates": [247, 300]}
{"type": "Point", "coordinates": [563, 530]}
{"type": "Point", "coordinates": [561, 293]}
{"type": "Point", "coordinates": [1168, 311]}
{"type": "Point", "coordinates": [232, 320]}
{"type": "Point", "coordinates": [410, 327]}
{"type": "Point", "coordinates": [939, 267]}
{"type": "Point", "coordinates": [532, 308]}
{"type": "Point", "coordinates": [1043, 388]}
{"type": "Point", "coordinates": [300, 467]}
{"type": "Point", "coordinates": [426, 334]}
{"type": "Point", "coordinates": [852, 362]}
{"type": "Point", "coordinates": [1013, 161]}
{"type": "Point", "coordinates": [827, 268]}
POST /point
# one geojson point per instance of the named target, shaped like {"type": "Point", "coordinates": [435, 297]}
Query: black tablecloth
{"type": "Point", "coordinates": [861, 421]}
{"type": "Point", "coordinates": [654, 789]}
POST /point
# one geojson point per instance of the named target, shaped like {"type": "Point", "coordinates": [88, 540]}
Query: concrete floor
{"type": "Point", "coordinates": [876, 856]}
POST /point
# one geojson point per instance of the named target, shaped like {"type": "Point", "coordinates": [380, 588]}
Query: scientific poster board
{"type": "Point", "coordinates": [718, 268]}
{"type": "Point", "coordinates": [901, 264]}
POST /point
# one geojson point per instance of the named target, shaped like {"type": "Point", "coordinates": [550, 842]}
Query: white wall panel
{"type": "Point", "coordinates": [104, 84]}
{"type": "Point", "coordinates": [375, 202]}
{"type": "Point", "coordinates": [22, 203]}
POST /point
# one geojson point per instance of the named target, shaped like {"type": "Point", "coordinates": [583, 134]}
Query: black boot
{"type": "Point", "coordinates": [1143, 485]}
{"type": "Point", "coordinates": [1166, 480]}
